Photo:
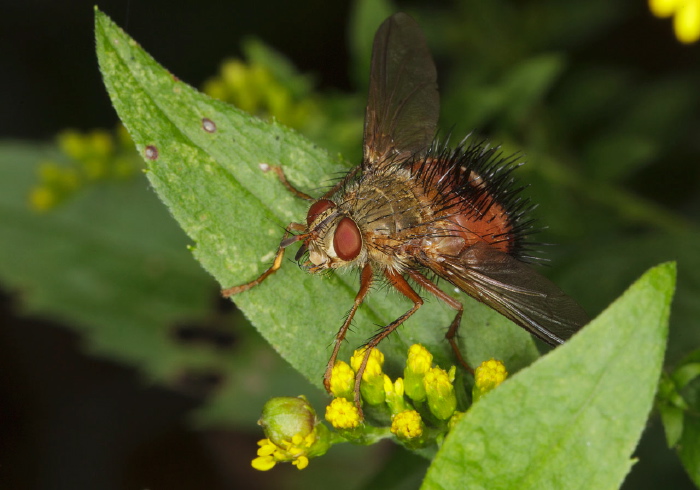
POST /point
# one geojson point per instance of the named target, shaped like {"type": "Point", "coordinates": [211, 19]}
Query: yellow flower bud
{"type": "Point", "coordinates": [440, 392]}
{"type": "Point", "coordinates": [488, 376]}
{"type": "Point", "coordinates": [342, 380]}
{"type": "Point", "coordinates": [418, 363]}
{"type": "Point", "coordinates": [407, 425]}
{"type": "Point", "coordinates": [374, 363]}
{"type": "Point", "coordinates": [343, 414]}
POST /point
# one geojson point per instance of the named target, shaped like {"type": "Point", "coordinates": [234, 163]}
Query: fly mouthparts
{"type": "Point", "coordinates": [313, 268]}
{"type": "Point", "coordinates": [300, 253]}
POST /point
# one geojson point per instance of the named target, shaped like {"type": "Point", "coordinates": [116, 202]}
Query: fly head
{"type": "Point", "coordinates": [333, 238]}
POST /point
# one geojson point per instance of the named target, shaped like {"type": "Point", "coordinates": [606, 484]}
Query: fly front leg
{"type": "Point", "coordinates": [404, 288]}
{"type": "Point", "coordinates": [451, 334]}
{"type": "Point", "coordinates": [366, 279]}
{"type": "Point", "coordinates": [276, 264]}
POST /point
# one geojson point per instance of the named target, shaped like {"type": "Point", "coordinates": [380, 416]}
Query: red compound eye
{"type": "Point", "coordinates": [318, 208]}
{"type": "Point", "coordinates": [347, 240]}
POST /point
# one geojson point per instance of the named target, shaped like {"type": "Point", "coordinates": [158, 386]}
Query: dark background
{"type": "Point", "coordinates": [50, 78]}
{"type": "Point", "coordinates": [69, 421]}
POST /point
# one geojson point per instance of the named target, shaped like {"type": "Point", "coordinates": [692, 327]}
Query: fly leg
{"type": "Point", "coordinates": [276, 264]}
{"type": "Point", "coordinates": [451, 334]}
{"type": "Point", "coordinates": [404, 288]}
{"type": "Point", "coordinates": [283, 179]}
{"type": "Point", "coordinates": [366, 279]}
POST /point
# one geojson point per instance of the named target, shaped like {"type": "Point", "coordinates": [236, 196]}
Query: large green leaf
{"type": "Point", "coordinates": [573, 418]}
{"type": "Point", "coordinates": [204, 159]}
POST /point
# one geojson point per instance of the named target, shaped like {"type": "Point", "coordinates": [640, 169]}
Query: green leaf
{"type": "Point", "coordinates": [680, 412]}
{"type": "Point", "coordinates": [672, 419]}
{"type": "Point", "coordinates": [689, 451]}
{"type": "Point", "coordinates": [671, 407]}
{"type": "Point", "coordinates": [573, 418]}
{"type": "Point", "coordinates": [209, 177]}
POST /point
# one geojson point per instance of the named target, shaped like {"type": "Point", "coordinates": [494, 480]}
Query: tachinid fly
{"type": "Point", "coordinates": [414, 207]}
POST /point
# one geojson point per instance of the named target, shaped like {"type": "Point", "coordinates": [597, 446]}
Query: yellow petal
{"type": "Point", "coordinates": [301, 462]}
{"type": "Point", "coordinates": [664, 8]}
{"type": "Point", "coordinates": [686, 23]}
{"type": "Point", "coordinates": [263, 463]}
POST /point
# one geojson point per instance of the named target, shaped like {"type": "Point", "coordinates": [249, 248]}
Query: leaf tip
{"type": "Point", "coordinates": [98, 13]}
{"type": "Point", "coordinates": [664, 276]}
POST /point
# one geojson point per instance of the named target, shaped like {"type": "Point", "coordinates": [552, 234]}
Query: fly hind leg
{"type": "Point", "coordinates": [404, 288]}
{"type": "Point", "coordinates": [451, 334]}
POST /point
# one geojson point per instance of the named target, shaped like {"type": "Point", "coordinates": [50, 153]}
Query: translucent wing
{"type": "Point", "coordinates": [403, 105]}
{"type": "Point", "coordinates": [514, 290]}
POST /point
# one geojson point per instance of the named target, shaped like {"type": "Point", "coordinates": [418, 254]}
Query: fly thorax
{"type": "Point", "coordinates": [387, 206]}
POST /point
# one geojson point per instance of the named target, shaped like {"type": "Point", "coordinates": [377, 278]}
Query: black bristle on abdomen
{"type": "Point", "coordinates": [450, 171]}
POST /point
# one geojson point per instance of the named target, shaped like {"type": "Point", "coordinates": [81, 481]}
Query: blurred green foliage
{"type": "Point", "coordinates": [612, 160]}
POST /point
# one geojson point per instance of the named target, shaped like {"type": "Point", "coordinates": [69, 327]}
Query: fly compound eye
{"type": "Point", "coordinates": [347, 240]}
{"type": "Point", "coordinates": [317, 208]}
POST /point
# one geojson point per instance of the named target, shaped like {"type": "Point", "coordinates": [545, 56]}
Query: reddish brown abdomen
{"type": "Point", "coordinates": [469, 212]}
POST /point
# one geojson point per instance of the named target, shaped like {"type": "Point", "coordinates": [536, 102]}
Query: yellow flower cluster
{"type": "Point", "coordinates": [92, 156]}
{"type": "Point", "coordinates": [440, 392]}
{"type": "Point", "coordinates": [253, 87]}
{"type": "Point", "coordinates": [423, 388]}
{"type": "Point", "coordinates": [686, 17]}
{"type": "Point", "coordinates": [421, 405]}
{"type": "Point", "coordinates": [342, 380]}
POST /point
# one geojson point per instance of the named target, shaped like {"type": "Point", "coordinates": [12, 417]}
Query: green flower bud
{"type": "Point", "coordinates": [284, 417]}
{"type": "Point", "coordinates": [293, 434]}
{"type": "Point", "coordinates": [440, 392]}
{"type": "Point", "coordinates": [394, 395]}
{"type": "Point", "coordinates": [418, 363]}
{"type": "Point", "coordinates": [372, 385]}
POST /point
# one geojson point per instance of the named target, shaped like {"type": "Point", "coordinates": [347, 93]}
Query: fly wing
{"type": "Point", "coordinates": [514, 290]}
{"type": "Point", "coordinates": [403, 105]}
